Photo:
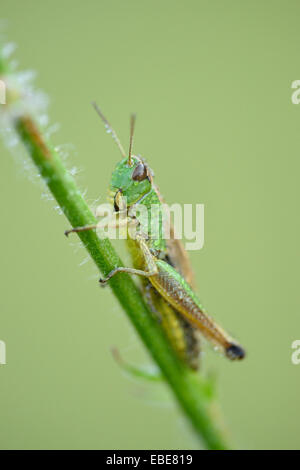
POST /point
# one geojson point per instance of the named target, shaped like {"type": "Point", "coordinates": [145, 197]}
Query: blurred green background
{"type": "Point", "coordinates": [211, 83]}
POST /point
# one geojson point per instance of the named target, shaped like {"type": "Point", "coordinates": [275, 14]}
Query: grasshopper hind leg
{"type": "Point", "coordinates": [193, 347]}
{"type": "Point", "coordinates": [182, 336]}
{"type": "Point", "coordinates": [170, 284]}
{"type": "Point", "coordinates": [234, 351]}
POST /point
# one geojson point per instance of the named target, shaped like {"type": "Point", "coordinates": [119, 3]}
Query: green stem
{"type": "Point", "coordinates": [190, 389]}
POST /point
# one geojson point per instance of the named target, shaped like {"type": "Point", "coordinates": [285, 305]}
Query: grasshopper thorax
{"type": "Point", "coordinates": [133, 180]}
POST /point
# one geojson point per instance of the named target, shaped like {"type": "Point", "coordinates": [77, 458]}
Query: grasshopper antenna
{"type": "Point", "coordinates": [109, 129]}
{"type": "Point", "coordinates": [132, 124]}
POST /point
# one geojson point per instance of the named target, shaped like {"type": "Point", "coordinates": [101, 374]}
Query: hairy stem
{"type": "Point", "coordinates": [193, 392]}
{"type": "Point", "coordinates": [190, 389]}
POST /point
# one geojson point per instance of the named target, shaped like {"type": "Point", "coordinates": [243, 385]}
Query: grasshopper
{"type": "Point", "coordinates": [162, 264]}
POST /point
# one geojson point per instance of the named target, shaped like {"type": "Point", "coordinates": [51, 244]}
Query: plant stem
{"type": "Point", "coordinates": [189, 388]}
{"type": "Point", "coordinates": [192, 391]}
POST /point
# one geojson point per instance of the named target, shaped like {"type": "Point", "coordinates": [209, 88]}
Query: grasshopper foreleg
{"type": "Point", "coordinates": [109, 223]}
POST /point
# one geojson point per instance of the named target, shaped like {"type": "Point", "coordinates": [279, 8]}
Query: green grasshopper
{"type": "Point", "coordinates": [162, 264]}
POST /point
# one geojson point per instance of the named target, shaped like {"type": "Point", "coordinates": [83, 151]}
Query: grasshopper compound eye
{"type": "Point", "coordinates": [140, 172]}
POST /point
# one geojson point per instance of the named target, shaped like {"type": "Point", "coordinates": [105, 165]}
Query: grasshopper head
{"type": "Point", "coordinates": [130, 179]}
